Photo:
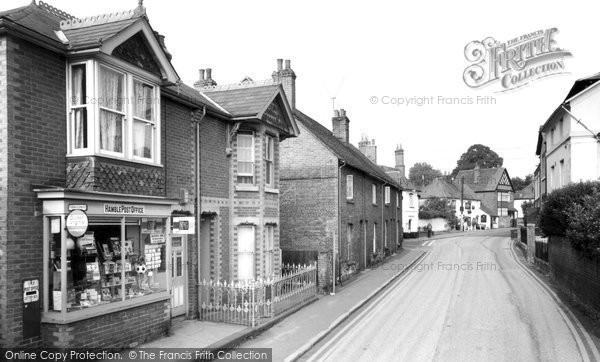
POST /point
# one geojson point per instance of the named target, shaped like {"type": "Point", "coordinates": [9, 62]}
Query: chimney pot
{"type": "Point", "coordinates": [279, 64]}
{"type": "Point", "coordinates": [336, 113]}
{"type": "Point", "coordinates": [287, 64]}
{"type": "Point", "coordinates": [342, 112]}
{"type": "Point", "coordinates": [201, 71]}
{"type": "Point", "coordinates": [208, 73]}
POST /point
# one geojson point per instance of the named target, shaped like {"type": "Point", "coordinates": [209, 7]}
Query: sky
{"type": "Point", "coordinates": [356, 51]}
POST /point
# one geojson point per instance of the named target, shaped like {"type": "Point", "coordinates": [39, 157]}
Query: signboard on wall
{"type": "Point", "coordinates": [77, 223]}
{"type": "Point", "coordinates": [184, 225]}
{"type": "Point", "coordinates": [124, 209]}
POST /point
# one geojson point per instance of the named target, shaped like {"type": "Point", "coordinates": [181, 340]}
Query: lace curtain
{"type": "Point", "coordinates": [111, 99]}
{"type": "Point", "coordinates": [143, 132]}
{"type": "Point", "coordinates": [78, 100]}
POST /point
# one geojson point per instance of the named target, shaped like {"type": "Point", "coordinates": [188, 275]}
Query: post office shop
{"type": "Point", "coordinates": [106, 268]}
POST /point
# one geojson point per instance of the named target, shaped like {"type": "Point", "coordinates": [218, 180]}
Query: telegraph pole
{"type": "Point", "coordinates": [462, 192]}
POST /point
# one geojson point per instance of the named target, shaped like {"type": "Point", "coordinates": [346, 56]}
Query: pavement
{"type": "Point", "coordinates": [298, 328]}
{"type": "Point", "coordinates": [470, 298]}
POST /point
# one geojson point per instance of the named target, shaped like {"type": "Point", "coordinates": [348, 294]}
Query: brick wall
{"type": "Point", "coordinates": [309, 206]}
{"type": "Point", "coordinates": [34, 140]}
{"type": "Point", "coordinates": [575, 274]}
{"type": "Point", "coordinates": [117, 330]}
{"type": "Point", "coordinates": [215, 163]}
{"type": "Point", "coordinates": [3, 189]}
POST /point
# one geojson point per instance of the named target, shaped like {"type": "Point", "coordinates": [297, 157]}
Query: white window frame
{"type": "Point", "coordinates": [349, 187]}
{"type": "Point", "coordinates": [387, 195]}
{"type": "Point", "coordinates": [374, 192]}
{"type": "Point", "coordinates": [269, 250]}
{"type": "Point", "coordinates": [241, 274]}
{"type": "Point", "coordinates": [397, 199]}
{"type": "Point", "coordinates": [92, 69]}
{"type": "Point", "coordinates": [411, 201]}
{"type": "Point", "coordinates": [252, 156]}
{"type": "Point", "coordinates": [269, 160]}
{"type": "Point", "coordinates": [152, 122]}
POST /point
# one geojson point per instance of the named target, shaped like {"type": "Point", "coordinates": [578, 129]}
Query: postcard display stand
{"type": "Point", "coordinates": [95, 267]}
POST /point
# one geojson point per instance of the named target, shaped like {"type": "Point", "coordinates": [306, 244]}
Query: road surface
{"type": "Point", "coordinates": [469, 299]}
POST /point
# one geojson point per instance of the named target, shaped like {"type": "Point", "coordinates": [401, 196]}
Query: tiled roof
{"type": "Point", "coordinates": [488, 211]}
{"type": "Point", "coordinates": [525, 194]}
{"type": "Point", "coordinates": [345, 151]}
{"type": "Point", "coordinates": [190, 94]}
{"type": "Point", "coordinates": [39, 18]}
{"type": "Point", "coordinates": [83, 37]}
{"type": "Point", "coordinates": [444, 189]}
{"type": "Point", "coordinates": [402, 180]}
{"type": "Point", "coordinates": [488, 178]}
{"type": "Point", "coordinates": [244, 102]}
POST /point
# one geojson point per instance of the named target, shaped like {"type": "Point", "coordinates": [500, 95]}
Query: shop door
{"type": "Point", "coordinates": [178, 266]}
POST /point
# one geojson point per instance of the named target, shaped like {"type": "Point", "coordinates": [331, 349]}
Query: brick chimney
{"type": "Point", "coordinates": [399, 153]}
{"type": "Point", "coordinates": [204, 80]}
{"type": "Point", "coordinates": [368, 148]}
{"type": "Point", "coordinates": [287, 78]}
{"type": "Point", "coordinates": [341, 125]}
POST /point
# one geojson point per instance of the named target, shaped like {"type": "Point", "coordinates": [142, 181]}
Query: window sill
{"type": "Point", "coordinates": [246, 188]}
{"type": "Point", "coordinates": [350, 201]}
{"type": "Point", "coordinates": [375, 205]}
{"type": "Point", "coordinates": [79, 315]}
{"type": "Point", "coordinates": [271, 190]}
{"type": "Point", "coordinates": [122, 159]}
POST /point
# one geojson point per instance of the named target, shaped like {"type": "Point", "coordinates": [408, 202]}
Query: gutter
{"type": "Point", "coordinates": [198, 194]}
{"type": "Point", "coordinates": [339, 233]}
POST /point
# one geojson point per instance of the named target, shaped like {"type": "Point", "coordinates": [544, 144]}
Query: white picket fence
{"type": "Point", "coordinates": [249, 302]}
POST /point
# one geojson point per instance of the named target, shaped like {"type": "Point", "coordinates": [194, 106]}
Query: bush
{"type": "Point", "coordinates": [437, 207]}
{"type": "Point", "coordinates": [584, 225]}
{"type": "Point", "coordinates": [555, 212]}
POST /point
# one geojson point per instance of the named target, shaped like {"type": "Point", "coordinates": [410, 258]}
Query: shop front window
{"type": "Point", "coordinates": [115, 260]}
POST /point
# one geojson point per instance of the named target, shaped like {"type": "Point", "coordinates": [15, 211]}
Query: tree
{"type": "Point", "coordinates": [477, 155]}
{"type": "Point", "coordinates": [519, 183]}
{"type": "Point", "coordinates": [438, 207]}
{"type": "Point", "coordinates": [423, 173]}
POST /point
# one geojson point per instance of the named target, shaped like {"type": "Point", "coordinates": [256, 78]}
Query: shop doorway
{"type": "Point", "coordinates": [178, 299]}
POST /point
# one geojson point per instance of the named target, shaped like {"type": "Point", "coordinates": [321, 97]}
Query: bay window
{"type": "Point", "coordinates": [112, 112]}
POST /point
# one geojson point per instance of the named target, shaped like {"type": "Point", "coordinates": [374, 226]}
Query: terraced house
{"type": "Point", "coordinates": [103, 154]}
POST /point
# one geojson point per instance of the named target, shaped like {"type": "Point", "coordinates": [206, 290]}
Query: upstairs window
{"type": "Point", "coordinates": [269, 158]}
{"type": "Point", "coordinates": [374, 192]}
{"type": "Point", "coordinates": [411, 200]}
{"type": "Point", "coordinates": [387, 195]}
{"type": "Point", "coordinates": [349, 187]}
{"type": "Point", "coordinates": [245, 158]}
{"type": "Point", "coordinates": [112, 112]}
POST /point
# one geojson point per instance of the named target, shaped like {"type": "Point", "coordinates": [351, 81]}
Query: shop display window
{"type": "Point", "coordinates": [115, 260]}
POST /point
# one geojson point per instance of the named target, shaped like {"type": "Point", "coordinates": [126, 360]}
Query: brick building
{"type": "Point", "coordinates": [240, 179]}
{"type": "Point", "coordinates": [334, 200]}
{"type": "Point", "coordinates": [97, 150]}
